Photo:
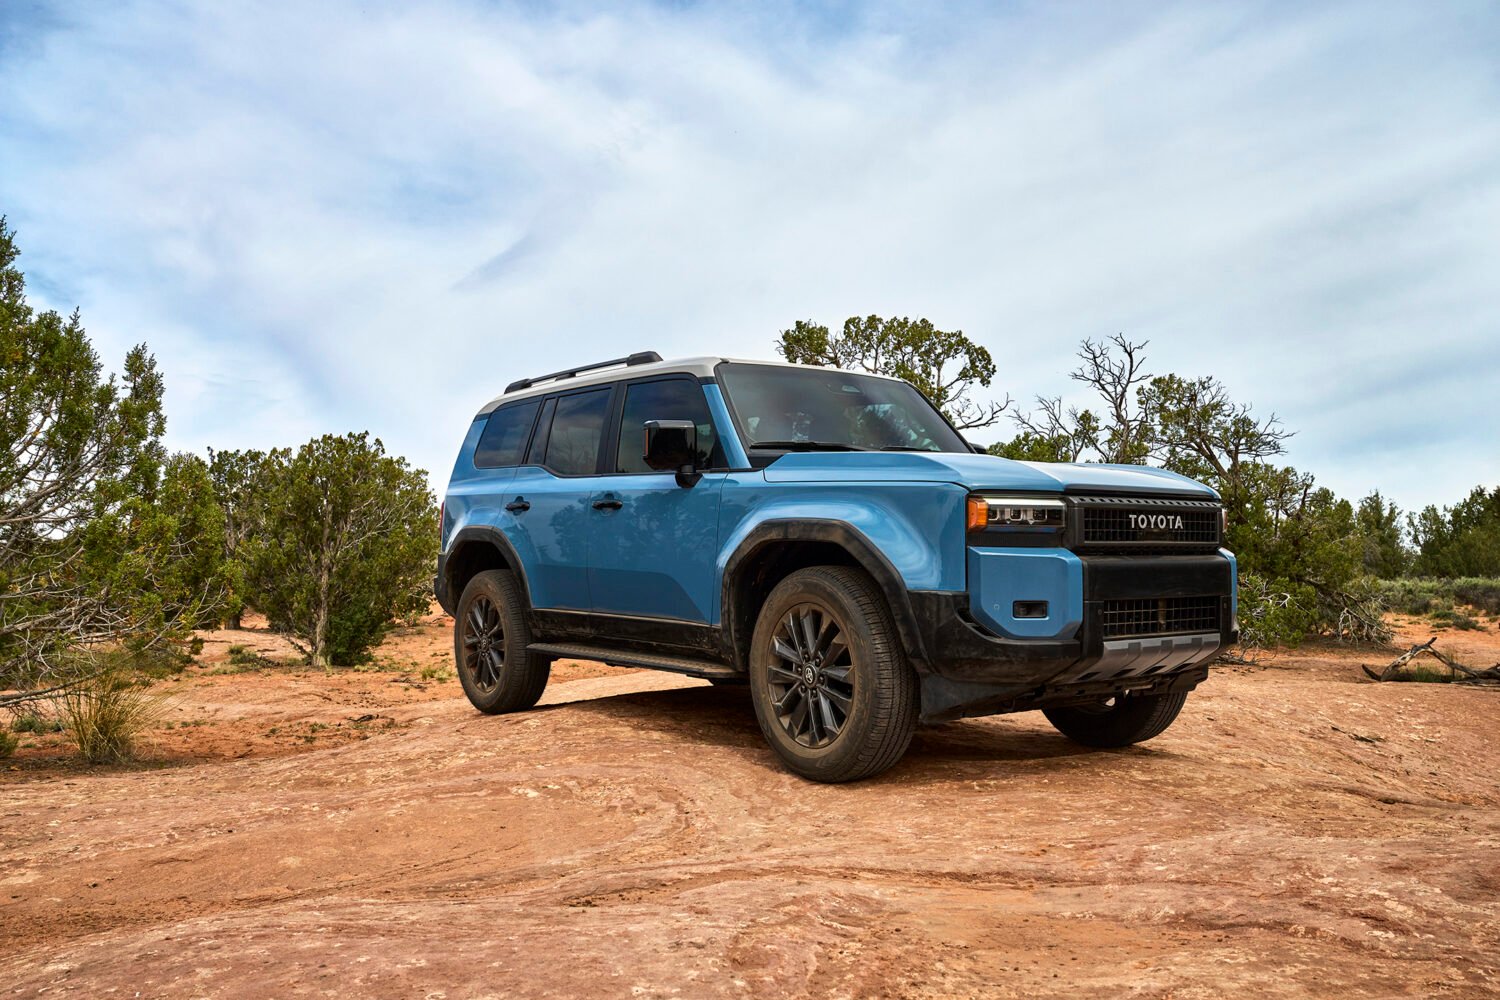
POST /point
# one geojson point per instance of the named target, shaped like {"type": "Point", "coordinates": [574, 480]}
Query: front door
{"type": "Point", "coordinates": [652, 543]}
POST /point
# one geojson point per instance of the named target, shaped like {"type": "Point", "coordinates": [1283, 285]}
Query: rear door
{"type": "Point", "coordinates": [652, 543]}
{"type": "Point", "coordinates": [549, 497]}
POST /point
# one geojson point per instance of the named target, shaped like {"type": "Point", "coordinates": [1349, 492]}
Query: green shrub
{"type": "Point", "coordinates": [346, 540]}
{"type": "Point", "coordinates": [1429, 596]}
{"type": "Point", "coordinates": [8, 744]}
{"type": "Point", "coordinates": [1275, 612]}
{"type": "Point", "coordinates": [244, 656]}
{"type": "Point", "coordinates": [1478, 592]}
{"type": "Point", "coordinates": [1413, 597]}
{"type": "Point", "coordinates": [1459, 620]}
{"type": "Point", "coordinates": [31, 722]}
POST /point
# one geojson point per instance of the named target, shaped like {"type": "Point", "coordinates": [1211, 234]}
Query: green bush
{"type": "Point", "coordinates": [1275, 612]}
{"type": "Point", "coordinates": [244, 656]}
{"type": "Point", "coordinates": [8, 744]}
{"type": "Point", "coordinates": [31, 722]}
{"type": "Point", "coordinates": [346, 543]}
{"type": "Point", "coordinates": [1413, 596]}
{"type": "Point", "coordinates": [1427, 596]}
{"type": "Point", "coordinates": [1478, 592]}
{"type": "Point", "coordinates": [1459, 620]}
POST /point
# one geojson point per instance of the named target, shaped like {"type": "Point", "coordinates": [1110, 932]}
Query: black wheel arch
{"type": "Point", "coordinates": [475, 549]}
{"type": "Point", "coordinates": [777, 547]}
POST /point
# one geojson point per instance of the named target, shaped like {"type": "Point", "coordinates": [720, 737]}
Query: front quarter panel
{"type": "Point", "coordinates": [916, 527]}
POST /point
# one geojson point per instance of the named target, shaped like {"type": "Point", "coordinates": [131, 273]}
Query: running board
{"type": "Point", "coordinates": [615, 658]}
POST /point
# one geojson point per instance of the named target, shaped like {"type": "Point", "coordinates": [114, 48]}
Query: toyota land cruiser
{"type": "Point", "coordinates": [830, 539]}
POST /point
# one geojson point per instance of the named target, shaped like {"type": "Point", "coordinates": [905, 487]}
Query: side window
{"type": "Point", "coordinates": [504, 438]}
{"type": "Point", "coordinates": [670, 399]}
{"type": "Point", "coordinates": [577, 426]}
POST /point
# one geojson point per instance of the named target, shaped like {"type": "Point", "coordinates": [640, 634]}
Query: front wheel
{"type": "Point", "coordinates": [490, 636]}
{"type": "Point", "coordinates": [833, 691]}
{"type": "Point", "coordinates": [1118, 721]}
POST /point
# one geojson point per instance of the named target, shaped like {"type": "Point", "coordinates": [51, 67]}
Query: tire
{"type": "Point", "coordinates": [490, 636]}
{"type": "Point", "coordinates": [1128, 720]}
{"type": "Point", "coordinates": [865, 688]}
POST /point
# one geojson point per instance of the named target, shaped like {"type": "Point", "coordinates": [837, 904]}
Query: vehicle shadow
{"type": "Point", "coordinates": [724, 717]}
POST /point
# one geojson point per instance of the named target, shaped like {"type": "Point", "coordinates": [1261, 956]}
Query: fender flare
{"type": "Point", "coordinates": [480, 534]}
{"type": "Point", "coordinates": [851, 540]}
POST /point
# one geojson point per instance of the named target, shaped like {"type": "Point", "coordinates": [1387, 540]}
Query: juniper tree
{"type": "Point", "coordinates": [345, 542]}
{"type": "Point", "coordinates": [945, 365]}
{"type": "Point", "coordinates": [91, 548]}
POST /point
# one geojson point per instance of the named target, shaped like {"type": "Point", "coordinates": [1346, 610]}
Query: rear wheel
{"type": "Point", "coordinates": [833, 691]}
{"type": "Point", "coordinates": [1118, 721]}
{"type": "Point", "coordinates": [490, 636]}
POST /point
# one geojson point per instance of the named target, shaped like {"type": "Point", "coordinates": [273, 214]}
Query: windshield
{"type": "Point", "coordinates": [793, 408]}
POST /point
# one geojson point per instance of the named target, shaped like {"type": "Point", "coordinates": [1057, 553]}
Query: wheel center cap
{"type": "Point", "coordinates": [810, 675]}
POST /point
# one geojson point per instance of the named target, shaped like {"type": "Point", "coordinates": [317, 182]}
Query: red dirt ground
{"type": "Point", "coordinates": [1300, 832]}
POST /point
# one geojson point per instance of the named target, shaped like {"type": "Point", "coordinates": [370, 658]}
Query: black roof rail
{"type": "Point", "coordinates": [638, 358]}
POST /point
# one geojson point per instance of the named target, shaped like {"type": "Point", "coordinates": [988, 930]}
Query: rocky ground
{"type": "Point", "coordinates": [1300, 832]}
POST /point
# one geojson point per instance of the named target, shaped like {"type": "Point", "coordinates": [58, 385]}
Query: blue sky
{"type": "Point", "coordinates": [341, 216]}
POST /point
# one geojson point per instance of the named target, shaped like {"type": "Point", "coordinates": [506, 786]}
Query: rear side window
{"type": "Point", "coordinates": [670, 399]}
{"type": "Point", "coordinates": [577, 427]}
{"type": "Point", "coordinates": [505, 435]}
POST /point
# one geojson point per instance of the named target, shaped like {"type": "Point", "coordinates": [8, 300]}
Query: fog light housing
{"type": "Point", "coordinates": [1028, 609]}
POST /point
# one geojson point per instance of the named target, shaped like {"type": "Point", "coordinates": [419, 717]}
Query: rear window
{"type": "Point", "coordinates": [505, 435]}
{"type": "Point", "coordinates": [577, 427]}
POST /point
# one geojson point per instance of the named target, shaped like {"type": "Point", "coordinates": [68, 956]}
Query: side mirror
{"type": "Point", "coordinates": [672, 446]}
{"type": "Point", "coordinates": [977, 449]}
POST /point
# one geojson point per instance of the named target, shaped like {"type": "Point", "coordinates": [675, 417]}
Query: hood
{"type": "Point", "coordinates": [977, 472]}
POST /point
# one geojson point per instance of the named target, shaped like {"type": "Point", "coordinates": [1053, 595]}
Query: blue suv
{"type": "Point", "coordinates": [830, 539]}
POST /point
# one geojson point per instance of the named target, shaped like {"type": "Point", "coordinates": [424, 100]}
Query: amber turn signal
{"type": "Point", "coordinates": [979, 514]}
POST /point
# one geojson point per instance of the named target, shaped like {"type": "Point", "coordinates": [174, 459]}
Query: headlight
{"type": "Point", "coordinates": [1015, 513]}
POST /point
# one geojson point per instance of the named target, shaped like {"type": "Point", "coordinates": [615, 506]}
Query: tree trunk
{"type": "Point", "coordinates": [320, 606]}
{"type": "Point", "coordinates": [320, 620]}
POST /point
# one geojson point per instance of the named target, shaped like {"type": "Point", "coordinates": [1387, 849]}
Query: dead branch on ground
{"type": "Point", "coordinates": [1488, 675]}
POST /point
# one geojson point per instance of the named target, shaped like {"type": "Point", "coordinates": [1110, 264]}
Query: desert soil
{"type": "Point", "coordinates": [1300, 832]}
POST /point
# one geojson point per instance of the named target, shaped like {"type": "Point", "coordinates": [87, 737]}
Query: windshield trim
{"type": "Point", "coordinates": [743, 435]}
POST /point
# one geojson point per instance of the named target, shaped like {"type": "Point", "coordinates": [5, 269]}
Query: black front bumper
{"type": "Point", "coordinates": [972, 671]}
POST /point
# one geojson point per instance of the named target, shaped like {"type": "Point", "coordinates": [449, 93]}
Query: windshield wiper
{"type": "Point", "coordinates": [907, 447]}
{"type": "Point", "coordinates": [807, 446]}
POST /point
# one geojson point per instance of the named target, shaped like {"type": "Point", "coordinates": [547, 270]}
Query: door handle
{"type": "Point", "coordinates": [608, 504]}
{"type": "Point", "coordinates": [517, 505]}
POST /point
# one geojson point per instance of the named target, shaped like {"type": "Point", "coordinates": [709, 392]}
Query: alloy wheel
{"type": "Point", "coordinates": [484, 643]}
{"type": "Point", "coordinates": [811, 676]}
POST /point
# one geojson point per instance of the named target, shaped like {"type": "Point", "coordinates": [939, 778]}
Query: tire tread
{"type": "Point", "coordinates": [524, 676]}
{"type": "Point", "coordinates": [897, 703]}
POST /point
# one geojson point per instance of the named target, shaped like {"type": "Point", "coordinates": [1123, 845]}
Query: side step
{"type": "Point", "coordinates": [615, 658]}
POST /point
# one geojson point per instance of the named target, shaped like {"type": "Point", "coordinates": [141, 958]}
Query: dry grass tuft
{"type": "Point", "coordinates": [106, 714]}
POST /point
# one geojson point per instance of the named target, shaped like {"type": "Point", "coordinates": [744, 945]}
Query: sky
{"type": "Point", "coordinates": [367, 215]}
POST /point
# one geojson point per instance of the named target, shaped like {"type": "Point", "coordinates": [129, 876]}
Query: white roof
{"type": "Point", "coordinates": [699, 367]}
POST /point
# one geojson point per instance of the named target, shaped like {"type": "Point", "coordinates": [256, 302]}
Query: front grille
{"type": "Point", "coordinates": [1123, 618]}
{"type": "Point", "coordinates": [1137, 522]}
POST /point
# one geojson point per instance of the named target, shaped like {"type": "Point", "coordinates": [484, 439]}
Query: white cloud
{"type": "Point", "coordinates": [341, 216]}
